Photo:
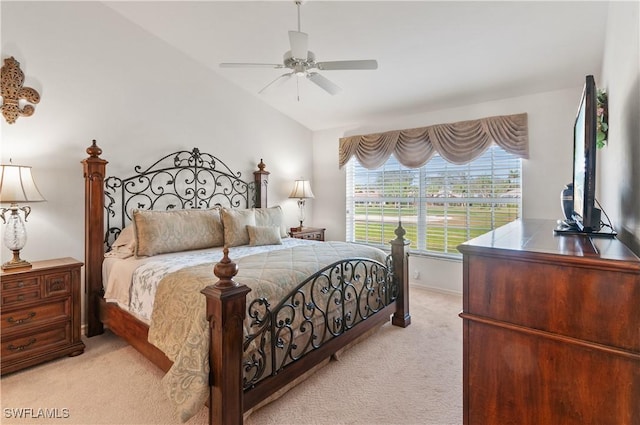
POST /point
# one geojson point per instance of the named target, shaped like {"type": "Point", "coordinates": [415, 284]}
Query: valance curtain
{"type": "Point", "coordinates": [458, 143]}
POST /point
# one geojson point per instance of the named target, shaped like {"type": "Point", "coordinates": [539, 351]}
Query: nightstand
{"type": "Point", "coordinates": [313, 233]}
{"type": "Point", "coordinates": [40, 313]}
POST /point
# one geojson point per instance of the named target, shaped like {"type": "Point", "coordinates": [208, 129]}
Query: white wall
{"type": "Point", "coordinates": [618, 183]}
{"type": "Point", "coordinates": [101, 77]}
{"type": "Point", "coordinates": [544, 174]}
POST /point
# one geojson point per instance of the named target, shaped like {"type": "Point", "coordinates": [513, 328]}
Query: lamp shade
{"type": "Point", "coordinates": [17, 185]}
{"type": "Point", "coordinates": [301, 190]}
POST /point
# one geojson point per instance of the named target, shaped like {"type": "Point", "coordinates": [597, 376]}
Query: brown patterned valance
{"type": "Point", "coordinates": [458, 142]}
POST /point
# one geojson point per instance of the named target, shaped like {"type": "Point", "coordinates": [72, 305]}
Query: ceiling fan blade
{"type": "Point", "coordinates": [251, 65]}
{"type": "Point", "coordinates": [323, 83]}
{"type": "Point", "coordinates": [276, 83]}
{"type": "Point", "coordinates": [358, 64]}
{"type": "Point", "coordinates": [299, 44]}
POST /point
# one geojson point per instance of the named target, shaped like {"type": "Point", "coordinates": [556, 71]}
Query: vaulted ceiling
{"type": "Point", "coordinates": [431, 55]}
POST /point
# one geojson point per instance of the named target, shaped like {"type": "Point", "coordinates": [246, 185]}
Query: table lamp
{"type": "Point", "coordinates": [16, 186]}
{"type": "Point", "coordinates": [302, 191]}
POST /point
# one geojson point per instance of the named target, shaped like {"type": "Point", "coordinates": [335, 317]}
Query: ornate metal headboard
{"type": "Point", "coordinates": [180, 180]}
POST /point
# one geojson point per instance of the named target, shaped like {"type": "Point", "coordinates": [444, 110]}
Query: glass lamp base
{"type": "Point", "coordinates": [301, 212]}
{"type": "Point", "coordinates": [15, 236]}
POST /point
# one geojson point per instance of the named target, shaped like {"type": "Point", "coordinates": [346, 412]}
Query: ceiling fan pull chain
{"type": "Point", "coordinates": [298, 4]}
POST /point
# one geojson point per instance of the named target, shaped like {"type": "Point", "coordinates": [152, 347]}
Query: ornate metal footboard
{"type": "Point", "coordinates": [325, 313]}
{"type": "Point", "coordinates": [323, 307]}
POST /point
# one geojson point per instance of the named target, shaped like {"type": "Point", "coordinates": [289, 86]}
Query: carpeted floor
{"type": "Point", "coordinates": [397, 376]}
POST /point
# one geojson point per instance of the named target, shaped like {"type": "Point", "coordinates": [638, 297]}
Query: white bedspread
{"type": "Point", "coordinates": [132, 282]}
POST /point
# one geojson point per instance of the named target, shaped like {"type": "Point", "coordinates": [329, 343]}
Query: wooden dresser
{"type": "Point", "coordinates": [551, 328]}
{"type": "Point", "coordinates": [40, 313]}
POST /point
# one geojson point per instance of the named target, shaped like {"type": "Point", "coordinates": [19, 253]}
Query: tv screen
{"type": "Point", "coordinates": [585, 214]}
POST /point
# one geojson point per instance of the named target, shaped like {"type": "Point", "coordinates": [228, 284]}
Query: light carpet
{"type": "Point", "coordinates": [396, 376]}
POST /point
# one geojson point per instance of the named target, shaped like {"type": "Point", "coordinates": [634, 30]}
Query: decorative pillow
{"type": "Point", "coordinates": [159, 232]}
{"type": "Point", "coordinates": [235, 226]}
{"type": "Point", "coordinates": [272, 216]}
{"type": "Point", "coordinates": [264, 235]}
{"type": "Point", "coordinates": [125, 244]}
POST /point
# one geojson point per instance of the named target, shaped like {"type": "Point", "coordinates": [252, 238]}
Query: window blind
{"type": "Point", "coordinates": [440, 204]}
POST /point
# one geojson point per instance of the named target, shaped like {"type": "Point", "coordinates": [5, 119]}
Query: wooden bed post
{"type": "Point", "coordinates": [401, 317]}
{"type": "Point", "coordinates": [261, 179]}
{"type": "Point", "coordinates": [226, 310]}
{"type": "Point", "coordinates": [94, 169]}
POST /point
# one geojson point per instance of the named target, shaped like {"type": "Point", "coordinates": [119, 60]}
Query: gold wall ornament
{"type": "Point", "coordinates": [11, 81]}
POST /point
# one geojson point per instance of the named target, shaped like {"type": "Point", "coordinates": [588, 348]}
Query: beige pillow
{"type": "Point", "coordinates": [264, 235]}
{"type": "Point", "coordinates": [159, 232]}
{"type": "Point", "coordinates": [235, 224]}
{"type": "Point", "coordinates": [125, 238]}
{"type": "Point", "coordinates": [272, 216]}
{"type": "Point", "coordinates": [125, 244]}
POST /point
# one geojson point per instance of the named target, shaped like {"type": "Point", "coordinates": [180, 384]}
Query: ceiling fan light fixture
{"type": "Point", "coordinates": [302, 63]}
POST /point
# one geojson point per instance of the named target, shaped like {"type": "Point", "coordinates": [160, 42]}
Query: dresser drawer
{"type": "Point", "coordinates": [536, 295]}
{"type": "Point", "coordinates": [57, 284]}
{"type": "Point", "coordinates": [34, 315]}
{"type": "Point", "coordinates": [35, 343]}
{"type": "Point", "coordinates": [19, 283]}
{"type": "Point", "coordinates": [20, 295]}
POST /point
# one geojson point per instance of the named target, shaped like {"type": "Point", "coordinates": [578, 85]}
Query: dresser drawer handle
{"type": "Point", "coordinates": [21, 284]}
{"type": "Point", "coordinates": [20, 297]}
{"type": "Point", "coordinates": [22, 347]}
{"type": "Point", "coordinates": [19, 321]}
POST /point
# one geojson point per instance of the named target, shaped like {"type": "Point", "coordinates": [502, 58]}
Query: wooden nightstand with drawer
{"type": "Point", "coordinates": [40, 309]}
{"type": "Point", "coordinates": [312, 233]}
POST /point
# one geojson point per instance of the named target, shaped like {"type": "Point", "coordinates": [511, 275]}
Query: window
{"type": "Point", "coordinates": [441, 204]}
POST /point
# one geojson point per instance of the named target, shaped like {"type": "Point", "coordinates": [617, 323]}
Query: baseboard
{"type": "Point", "coordinates": [434, 288]}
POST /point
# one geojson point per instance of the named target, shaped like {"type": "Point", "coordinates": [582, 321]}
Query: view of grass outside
{"type": "Point", "coordinates": [444, 231]}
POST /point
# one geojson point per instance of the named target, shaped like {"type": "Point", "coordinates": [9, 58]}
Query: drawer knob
{"type": "Point", "coordinates": [30, 316]}
{"type": "Point", "coordinates": [20, 297]}
{"type": "Point", "coordinates": [22, 347]}
{"type": "Point", "coordinates": [21, 284]}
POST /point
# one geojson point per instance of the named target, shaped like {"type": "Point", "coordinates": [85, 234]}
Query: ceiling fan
{"type": "Point", "coordinates": [302, 63]}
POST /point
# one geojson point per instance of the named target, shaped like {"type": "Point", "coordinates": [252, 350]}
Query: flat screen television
{"type": "Point", "coordinates": [585, 214]}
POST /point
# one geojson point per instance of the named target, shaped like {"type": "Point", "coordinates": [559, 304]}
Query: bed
{"type": "Point", "coordinates": [238, 312]}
